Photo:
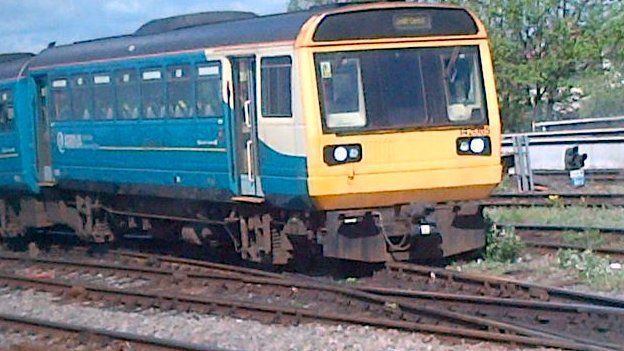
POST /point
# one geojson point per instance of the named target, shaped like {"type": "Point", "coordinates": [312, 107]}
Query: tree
{"type": "Point", "coordinates": [542, 48]}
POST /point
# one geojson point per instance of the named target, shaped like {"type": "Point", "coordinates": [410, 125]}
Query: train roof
{"type": "Point", "coordinates": [12, 64]}
{"type": "Point", "coordinates": [209, 30]}
{"type": "Point", "coordinates": [245, 31]}
{"type": "Point", "coordinates": [168, 24]}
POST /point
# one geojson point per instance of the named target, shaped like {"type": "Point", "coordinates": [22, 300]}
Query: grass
{"type": "Point", "coordinates": [572, 215]}
{"type": "Point", "coordinates": [574, 267]}
{"type": "Point", "coordinates": [505, 252]}
{"type": "Point", "coordinates": [590, 239]}
{"type": "Point", "coordinates": [505, 256]}
{"type": "Point", "coordinates": [592, 269]}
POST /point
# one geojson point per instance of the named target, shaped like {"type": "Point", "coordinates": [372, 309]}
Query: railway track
{"type": "Point", "coordinates": [417, 277]}
{"type": "Point", "coordinates": [553, 237]}
{"type": "Point", "coordinates": [550, 237]}
{"type": "Point", "coordinates": [89, 336]}
{"type": "Point", "coordinates": [593, 175]}
{"type": "Point", "coordinates": [412, 310]}
{"type": "Point", "coordinates": [554, 228]}
{"type": "Point", "coordinates": [554, 199]}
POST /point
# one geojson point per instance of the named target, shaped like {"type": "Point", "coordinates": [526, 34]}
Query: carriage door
{"type": "Point", "coordinates": [44, 159]}
{"type": "Point", "coordinates": [246, 125]}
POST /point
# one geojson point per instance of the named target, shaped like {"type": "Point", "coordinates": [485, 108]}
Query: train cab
{"type": "Point", "coordinates": [400, 111]}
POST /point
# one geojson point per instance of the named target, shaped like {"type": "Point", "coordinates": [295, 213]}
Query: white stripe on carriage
{"type": "Point", "coordinates": [146, 148]}
{"type": "Point", "coordinates": [11, 155]}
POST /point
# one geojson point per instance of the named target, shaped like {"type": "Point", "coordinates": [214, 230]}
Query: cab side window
{"type": "Point", "coordinates": [179, 92]}
{"type": "Point", "coordinates": [82, 97]}
{"type": "Point", "coordinates": [104, 96]}
{"type": "Point", "coordinates": [61, 103]}
{"type": "Point", "coordinates": [7, 112]}
{"type": "Point", "coordinates": [209, 100]}
{"type": "Point", "coordinates": [128, 94]}
{"type": "Point", "coordinates": [152, 94]}
{"type": "Point", "coordinates": [276, 86]}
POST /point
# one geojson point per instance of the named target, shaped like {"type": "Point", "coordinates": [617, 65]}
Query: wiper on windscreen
{"type": "Point", "coordinates": [451, 65]}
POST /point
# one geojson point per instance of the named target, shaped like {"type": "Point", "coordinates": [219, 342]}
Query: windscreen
{"type": "Point", "coordinates": [401, 88]}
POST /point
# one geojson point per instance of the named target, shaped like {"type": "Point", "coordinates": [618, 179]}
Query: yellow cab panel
{"type": "Point", "coordinates": [400, 163]}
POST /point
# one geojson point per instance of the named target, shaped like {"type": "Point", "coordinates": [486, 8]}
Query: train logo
{"type": "Point", "coordinates": [60, 142]}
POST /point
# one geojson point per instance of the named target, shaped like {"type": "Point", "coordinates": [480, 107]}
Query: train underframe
{"type": "Point", "coordinates": [257, 233]}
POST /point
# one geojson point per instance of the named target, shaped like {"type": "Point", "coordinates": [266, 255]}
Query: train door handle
{"type": "Point", "coordinates": [247, 113]}
{"type": "Point", "coordinates": [249, 170]}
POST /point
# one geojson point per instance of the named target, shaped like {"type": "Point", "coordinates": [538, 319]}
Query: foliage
{"type": "Point", "coordinates": [590, 239]}
{"type": "Point", "coordinates": [570, 215]}
{"type": "Point", "coordinates": [605, 95]}
{"type": "Point", "coordinates": [541, 49]}
{"type": "Point", "coordinates": [591, 268]}
{"type": "Point", "coordinates": [503, 245]}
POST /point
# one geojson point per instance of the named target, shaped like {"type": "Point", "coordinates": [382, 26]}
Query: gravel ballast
{"type": "Point", "coordinates": [222, 332]}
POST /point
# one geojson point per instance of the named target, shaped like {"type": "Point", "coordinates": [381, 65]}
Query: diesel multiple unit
{"type": "Point", "coordinates": [358, 132]}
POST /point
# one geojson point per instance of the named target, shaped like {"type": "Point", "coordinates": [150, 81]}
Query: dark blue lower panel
{"type": "Point", "coordinates": [13, 181]}
{"type": "Point", "coordinates": [151, 177]}
{"type": "Point", "coordinates": [180, 193]}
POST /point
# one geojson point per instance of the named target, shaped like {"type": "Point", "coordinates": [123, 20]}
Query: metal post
{"type": "Point", "coordinates": [529, 169]}
{"type": "Point", "coordinates": [524, 173]}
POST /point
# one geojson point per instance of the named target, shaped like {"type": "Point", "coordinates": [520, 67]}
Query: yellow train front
{"type": "Point", "coordinates": [402, 127]}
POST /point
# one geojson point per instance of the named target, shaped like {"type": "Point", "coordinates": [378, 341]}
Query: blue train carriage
{"type": "Point", "coordinates": [256, 134]}
{"type": "Point", "coordinates": [163, 130]}
{"type": "Point", "coordinates": [17, 144]}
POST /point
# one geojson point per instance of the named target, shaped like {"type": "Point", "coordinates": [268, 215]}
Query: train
{"type": "Point", "coordinates": [361, 132]}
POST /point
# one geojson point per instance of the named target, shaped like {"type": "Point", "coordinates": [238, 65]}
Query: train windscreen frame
{"type": "Point", "coordinates": [392, 89]}
{"type": "Point", "coordinates": [395, 23]}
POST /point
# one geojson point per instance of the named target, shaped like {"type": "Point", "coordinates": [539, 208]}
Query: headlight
{"type": "Point", "coordinates": [354, 153]}
{"type": "Point", "coordinates": [477, 145]}
{"type": "Point", "coordinates": [464, 146]}
{"type": "Point", "coordinates": [341, 154]}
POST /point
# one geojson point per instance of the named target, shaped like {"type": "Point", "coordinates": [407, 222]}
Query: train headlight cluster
{"type": "Point", "coordinates": [341, 154]}
{"type": "Point", "coordinates": [474, 146]}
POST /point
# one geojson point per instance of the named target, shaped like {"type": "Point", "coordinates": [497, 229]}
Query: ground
{"type": "Point", "coordinates": [222, 332]}
{"type": "Point", "coordinates": [586, 271]}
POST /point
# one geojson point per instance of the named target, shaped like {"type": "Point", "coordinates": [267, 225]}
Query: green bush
{"type": "Point", "coordinates": [503, 245]}
{"type": "Point", "coordinates": [592, 269]}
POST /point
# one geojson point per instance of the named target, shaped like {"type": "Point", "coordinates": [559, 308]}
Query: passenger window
{"type": "Point", "coordinates": [61, 104]}
{"type": "Point", "coordinates": [7, 113]}
{"type": "Point", "coordinates": [81, 97]}
{"type": "Point", "coordinates": [208, 91]}
{"type": "Point", "coordinates": [276, 87]}
{"type": "Point", "coordinates": [152, 94]}
{"type": "Point", "coordinates": [128, 94]}
{"type": "Point", "coordinates": [179, 92]}
{"type": "Point", "coordinates": [104, 96]}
